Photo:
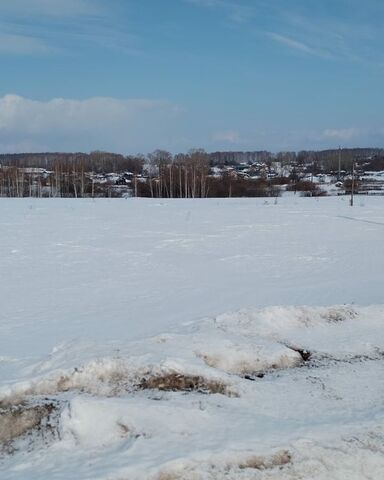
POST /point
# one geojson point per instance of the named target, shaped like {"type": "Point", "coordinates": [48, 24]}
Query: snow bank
{"type": "Point", "coordinates": [245, 358]}
{"type": "Point", "coordinates": [187, 393]}
{"type": "Point", "coordinates": [248, 342]}
{"type": "Point", "coordinates": [353, 458]}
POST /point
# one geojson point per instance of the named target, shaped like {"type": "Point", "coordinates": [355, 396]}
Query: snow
{"type": "Point", "coordinates": [214, 303]}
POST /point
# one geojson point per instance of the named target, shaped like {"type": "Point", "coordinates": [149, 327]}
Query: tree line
{"type": "Point", "coordinates": [101, 162]}
{"type": "Point", "coordinates": [163, 175]}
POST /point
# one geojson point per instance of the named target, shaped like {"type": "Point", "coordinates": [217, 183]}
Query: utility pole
{"type": "Point", "coordinates": [353, 181]}
{"type": "Point", "coordinates": [339, 174]}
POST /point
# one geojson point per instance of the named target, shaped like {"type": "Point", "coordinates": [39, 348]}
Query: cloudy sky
{"type": "Point", "coordinates": [135, 75]}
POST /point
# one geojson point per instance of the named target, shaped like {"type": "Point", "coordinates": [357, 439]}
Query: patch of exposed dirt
{"type": "Point", "coordinates": [340, 314]}
{"type": "Point", "coordinates": [254, 377]}
{"type": "Point", "coordinates": [175, 382]}
{"type": "Point", "coordinates": [116, 383]}
{"type": "Point", "coordinates": [18, 420]}
{"type": "Point", "coordinates": [258, 462]}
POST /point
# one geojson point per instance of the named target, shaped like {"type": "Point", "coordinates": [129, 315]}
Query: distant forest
{"type": "Point", "coordinates": [105, 162]}
{"type": "Point", "coordinates": [195, 174]}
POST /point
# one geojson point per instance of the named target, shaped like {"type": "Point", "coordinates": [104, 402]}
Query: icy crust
{"type": "Point", "coordinates": [276, 393]}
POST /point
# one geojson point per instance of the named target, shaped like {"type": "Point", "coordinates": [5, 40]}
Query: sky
{"type": "Point", "coordinates": [131, 76]}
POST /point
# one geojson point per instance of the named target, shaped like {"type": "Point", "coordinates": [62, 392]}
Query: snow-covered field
{"type": "Point", "coordinates": [192, 339]}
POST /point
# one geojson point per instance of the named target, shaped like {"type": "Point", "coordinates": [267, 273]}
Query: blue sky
{"type": "Point", "coordinates": [135, 75]}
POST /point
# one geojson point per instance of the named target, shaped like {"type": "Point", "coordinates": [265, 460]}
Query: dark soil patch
{"type": "Point", "coordinates": [254, 377]}
{"type": "Point", "coordinates": [174, 382]}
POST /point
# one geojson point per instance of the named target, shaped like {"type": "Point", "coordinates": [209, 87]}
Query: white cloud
{"type": "Point", "coordinates": [298, 45]}
{"type": "Point", "coordinates": [290, 42]}
{"type": "Point", "coordinates": [62, 26]}
{"type": "Point", "coordinates": [22, 45]}
{"type": "Point", "coordinates": [281, 138]}
{"type": "Point", "coordinates": [94, 123]}
{"type": "Point", "coordinates": [354, 35]}
{"type": "Point", "coordinates": [205, 3]}
{"type": "Point", "coordinates": [235, 11]}
{"type": "Point", "coordinates": [346, 137]}
{"type": "Point", "coordinates": [342, 133]}
{"type": "Point", "coordinates": [133, 125]}
{"type": "Point", "coordinates": [227, 136]}
{"type": "Point", "coordinates": [49, 7]}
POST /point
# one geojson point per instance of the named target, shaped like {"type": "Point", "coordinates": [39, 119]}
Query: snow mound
{"type": "Point", "coordinates": [246, 358]}
{"type": "Point", "coordinates": [206, 354]}
{"type": "Point", "coordinates": [274, 320]}
{"type": "Point", "coordinates": [358, 458]}
{"type": "Point", "coordinates": [113, 377]}
{"type": "Point", "coordinates": [24, 426]}
{"type": "Point", "coordinates": [229, 465]}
